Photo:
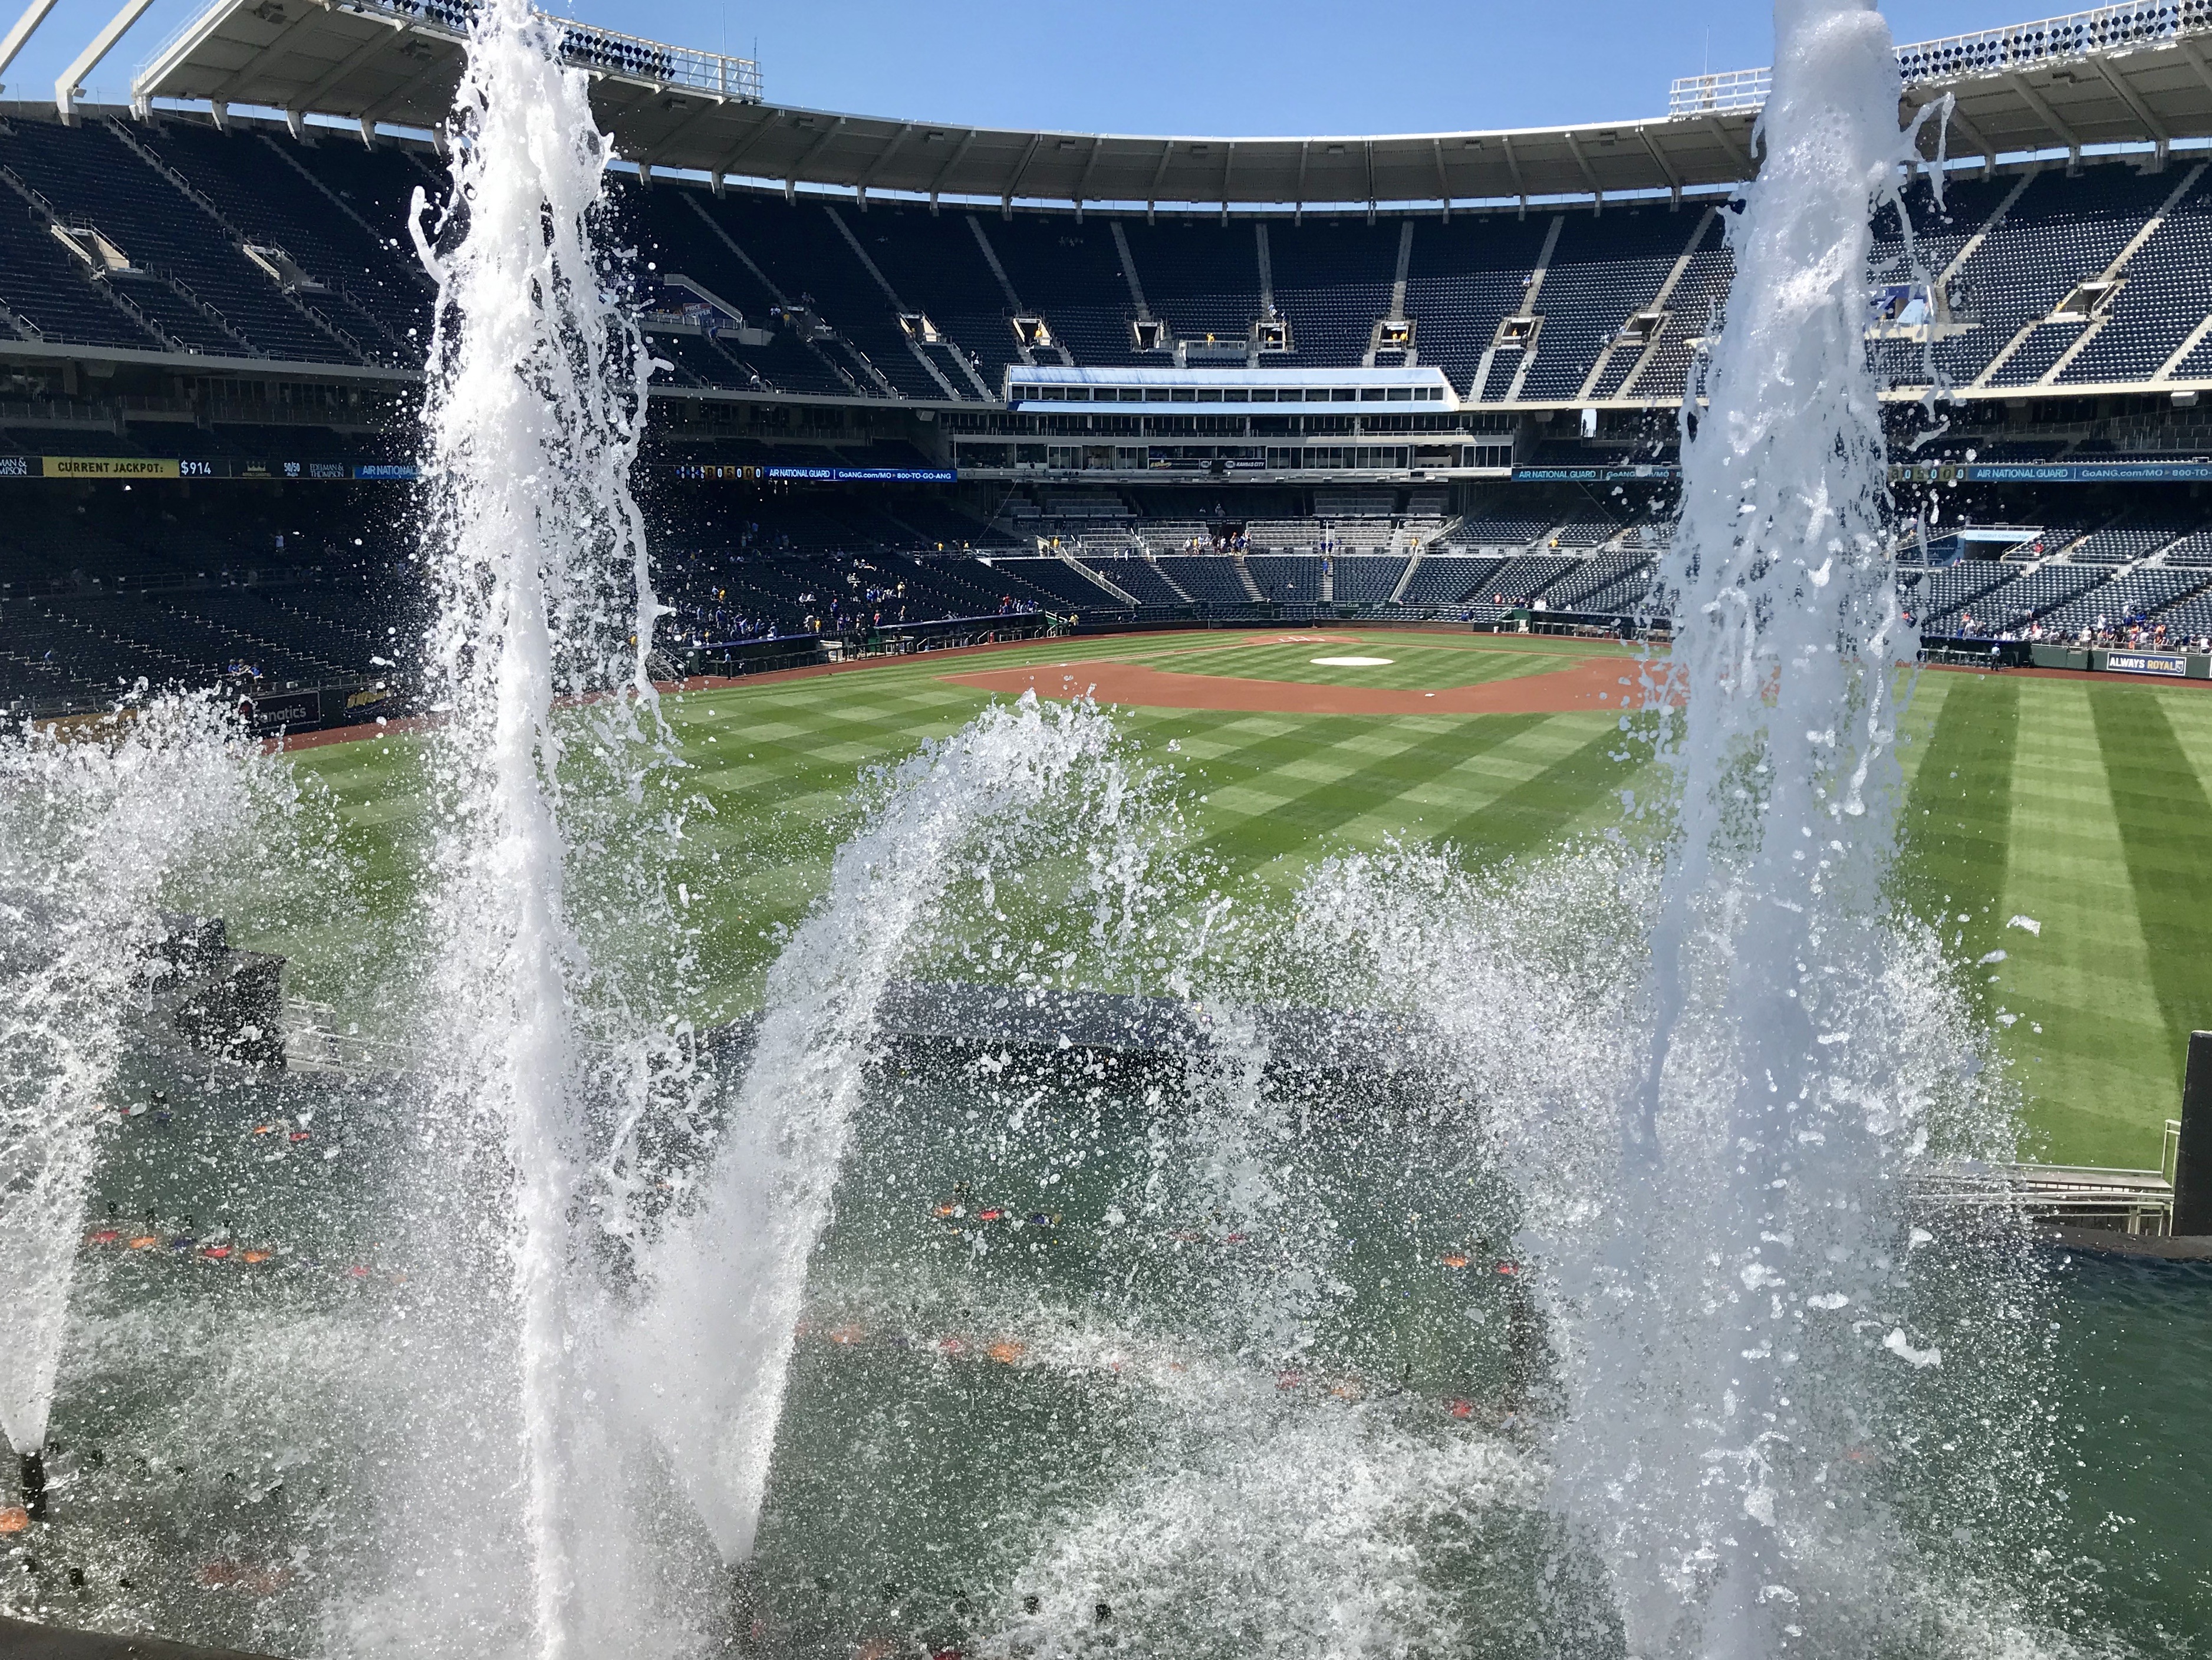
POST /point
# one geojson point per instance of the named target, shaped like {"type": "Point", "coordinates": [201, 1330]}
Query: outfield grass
{"type": "Point", "coordinates": [2082, 805]}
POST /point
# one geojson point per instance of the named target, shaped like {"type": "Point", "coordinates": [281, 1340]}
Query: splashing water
{"type": "Point", "coordinates": [538, 558]}
{"type": "Point", "coordinates": [1267, 1387]}
{"type": "Point", "coordinates": [1724, 1363]}
{"type": "Point", "coordinates": [725, 1282]}
{"type": "Point", "coordinates": [90, 830]}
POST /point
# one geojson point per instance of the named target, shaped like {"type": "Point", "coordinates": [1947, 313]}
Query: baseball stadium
{"type": "Point", "coordinates": [699, 966]}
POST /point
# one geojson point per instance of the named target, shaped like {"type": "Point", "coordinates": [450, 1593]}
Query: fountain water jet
{"type": "Point", "coordinates": [724, 1282]}
{"type": "Point", "coordinates": [1235, 1309]}
{"type": "Point", "coordinates": [90, 830]}
{"type": "Point", "coordinates": [538, 559]}
{"type": "Point", "coordinates": [1717, 1376]}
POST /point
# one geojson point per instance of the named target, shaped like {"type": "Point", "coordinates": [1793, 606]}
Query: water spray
{"type": "Point", "coordinates": [535, 410]}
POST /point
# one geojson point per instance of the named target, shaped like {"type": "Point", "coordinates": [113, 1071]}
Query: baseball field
{"type": "Point", "coordinates": [2078, 802]}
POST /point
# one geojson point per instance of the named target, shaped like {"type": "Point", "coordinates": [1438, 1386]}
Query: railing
{"type": "Point", "coordinates": [313, 1042]}
{"type": "Point", "coordinates": [583, 45]}
{"type": "Point", "coordinates": [1986, 52]}
{"type": "Point", "coordinates": [1731, 89]}
{"type": "Point", "coordinates": [186, 292]}
{"type": "Point", "coordinates": [2139, 1201]}
{"type": "Point", "coordinates": [2074, 35]}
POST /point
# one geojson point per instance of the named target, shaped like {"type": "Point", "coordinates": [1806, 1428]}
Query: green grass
{"type": "Point", "coordinates": [2081, 805]}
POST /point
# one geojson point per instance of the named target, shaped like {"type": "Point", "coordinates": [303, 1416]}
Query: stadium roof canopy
{"type": "Point", "coordinates": [2134, 73]}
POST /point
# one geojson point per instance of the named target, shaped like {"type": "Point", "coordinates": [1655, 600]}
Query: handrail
{"type": "Point", "coordinates": [205, 203]}
{"type": "Point", "coordinates": [2144, 1198]}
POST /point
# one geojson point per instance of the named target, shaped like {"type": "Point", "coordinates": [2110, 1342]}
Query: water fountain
{"type": "Point", "coordinates": [1720, 1360]}
{"type": "Point", "coordinates": [539, 563]}
{"type": "Point", "coordinates": [1071, 1256]}
{"type": "Point", "coordinates": [89, 831]}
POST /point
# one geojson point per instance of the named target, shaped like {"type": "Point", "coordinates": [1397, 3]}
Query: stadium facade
{"type": "Point", "coordinates": [1146, 378]}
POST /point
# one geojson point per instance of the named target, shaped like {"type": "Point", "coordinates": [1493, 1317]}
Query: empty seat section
{"type": "Point", "coordinates": [49, 288]}
{"type": "Point", "coordinates": [1332, 284]}
{"type": "Point", "coordinates": [797, 247]}
{"type": "Point", "coordinates": [2013, 605]}
{"type": "Point", "coordinates": [2161, 300]}
{"type": "Point", "coordinates": [2117, 545]}
{"type": "Point", "coordinates": [1593, 576]}
{"type": "Point", "coordinates": [369, 277]}
{"type": "Point", "coordinates": [2061, 232]}
{"type": "Point", "coordinates": [90, 174]}
{"type": "Point", "coordinates": [682, 243]}
{"type": "Point", "coordinates": [1583, 532]}
{"type": "Point", "coordinates": [1467, 276]}
{"type": "Point", "coordinates": [1210, 579]}
{"type": "Point", "coordinates": [1500, 530]}
{"type": "Point", "coordinates": [938, 267]}
{"type": "Point", "coordinates": [1139, 580]}
{"type": "Point", "coordinates": [1943, 591]}
{"type": "Point", "coordinates": [2189, 619]}
{"type": "Point", "coordinates": [1366, 579]}
{"type": "Point", "coordinates": [1445, 580]}
{"type": "Point", "coordinates": [1071, 272]}
{"type": "Point", "coordinates": [1069, 588]}
{"type": "Point", "coordinates": [1287, 578]}
{"type": "Point", "coordinates": [378, 185]}
{"type": "Point", "coordinates": [2127, 598]}
{"type": "Point", "coordinates": [1522, 579]}
{"type": "Point", "coordinates": [1200, 277]}
{"type": "Point", "coordinates": [1694, 310]}
{"type": "Point", "coordinates": [1632, 595]}
{"type": "Point", "coordinates": [1938, 235]}
{"type": "Point", "coordinates": [933, 266]}
{"type": "Point", "coordinates": [1603, 270]}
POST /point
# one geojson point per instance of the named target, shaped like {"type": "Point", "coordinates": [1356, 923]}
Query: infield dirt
{"type": "Point", "coordinates": [1598, 684]}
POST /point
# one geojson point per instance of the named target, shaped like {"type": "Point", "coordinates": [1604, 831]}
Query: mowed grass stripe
{"type": "Point", "coordinates": [1958, 819]}
{"type": "Point", "coordinates": [1915, 725]}
{"type": "Point", "coordinates": [838, 736]}
{"type": "Point", "coordinates": [2165, 829]}
{"type": "Point", "coordinates": [1304, 819]}
{"type": "Point", "coordinates": [1255, 777]}
{"type": "Point", "coordinates": [2097, 1069]}
{"type": "Point", "coordinates": [2188, 712]}
{"type": "Point", "coordinates": [1582, 772]}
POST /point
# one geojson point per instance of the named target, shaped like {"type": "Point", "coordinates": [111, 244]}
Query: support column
{"type": "Point", "coordinates": [2192, 1162]}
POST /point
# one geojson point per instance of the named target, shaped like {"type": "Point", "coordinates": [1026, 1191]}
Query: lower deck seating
{"type": "Point", "coordinates": [1207, 579]}
{"type": "Point", "coordinates": [1446, 579]}
{"type": "Point", "coordinates": [1140, 579]}
{"type": "Point", "coordinates": [1287, 579]}
{"type": "Point", "coordinates": [1367, 579]}
{"type": "Point", "coordinates": [264, 586]}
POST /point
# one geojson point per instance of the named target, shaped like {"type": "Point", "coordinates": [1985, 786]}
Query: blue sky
{"type": "Point", "coordinates": [1231, 68]}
